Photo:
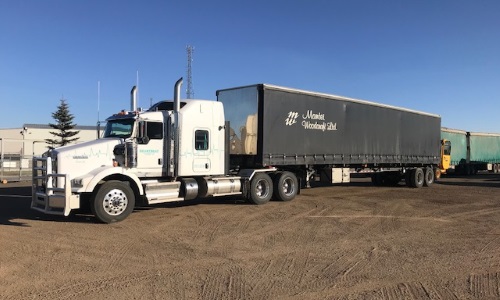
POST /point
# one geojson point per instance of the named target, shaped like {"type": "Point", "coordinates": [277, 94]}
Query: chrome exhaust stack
{"type": "Point", "coordinates": [177, 108]}
{"type": "Point", "coordinates": [177, 102]}
{"type": "Point", "coordinates": [133, 99]}
{"type": "Point", "coordinates": [177, 95]}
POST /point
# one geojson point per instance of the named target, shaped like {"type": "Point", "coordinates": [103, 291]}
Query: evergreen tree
{"type": "Point", "coordinates": [64, 125]}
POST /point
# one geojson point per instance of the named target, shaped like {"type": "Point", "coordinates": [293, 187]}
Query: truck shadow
{"type": "Point", "coordinates": [480, 180]}
{"type": "Point", "coordinates": [488, 184]}
{"type": "Point", "coordinates": [15, 206]}
{"type": "Point", "coordinates": [481, 175]}
{"type": "Point", "coordinates": [232, 200]}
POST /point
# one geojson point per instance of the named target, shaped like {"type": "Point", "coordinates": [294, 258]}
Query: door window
{"type": "Point", "coordinates": [201, 140]}
{"type": "Point", "coordinates": [154, 130]}
{"type": "Point", "coordinates": [447, 148]}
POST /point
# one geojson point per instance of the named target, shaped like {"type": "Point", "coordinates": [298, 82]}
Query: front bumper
{"type": "Point", "coordinates": [51, 192]}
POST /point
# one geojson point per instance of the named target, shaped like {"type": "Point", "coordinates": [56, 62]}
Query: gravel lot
{"type": "Point", "coordinates": [337, 242]}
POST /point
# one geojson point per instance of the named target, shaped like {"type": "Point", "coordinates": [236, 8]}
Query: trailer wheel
{"type": "Point", "coordinates": [113, 202]}
{"type": "Point", "coordinates": [429, 177]}
{"type": "Point", "coordinates": [261, 189]}
{"type": "Point", "coordinates": [285, 186]}
{"type": "Point", "coordinates": [417, 178]}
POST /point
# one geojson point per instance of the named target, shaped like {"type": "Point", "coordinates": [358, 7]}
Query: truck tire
{"type": "Point", "coordinates": [113, 202]}
{"type": "Point", "coordinates": [417, 178]}
{"type": "Point", "coordinates": [285, 186]}
{"type": "Point", "coordinates": [261, 189]}
{"type": "Point", "coordinates": [428, 176]}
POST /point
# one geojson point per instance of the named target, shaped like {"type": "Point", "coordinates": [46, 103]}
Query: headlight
{"type": "Point", "coordinates": [77, 182]}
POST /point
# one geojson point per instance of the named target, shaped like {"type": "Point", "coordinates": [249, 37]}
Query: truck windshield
{"type": "Point", "coordinates": [119, 128]}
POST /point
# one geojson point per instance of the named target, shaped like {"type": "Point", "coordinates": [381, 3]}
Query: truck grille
{"type": "Point", "coordinates": [44, 189]}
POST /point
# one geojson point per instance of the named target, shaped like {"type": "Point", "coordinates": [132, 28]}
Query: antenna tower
{"type": "Point", "coordinates": [189, 90]}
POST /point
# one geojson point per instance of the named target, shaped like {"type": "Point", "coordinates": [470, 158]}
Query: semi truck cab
{"type": "Point", "coordinates": [168, 153]}
{"type": "Point", "coordinates": [445, 158]}
{"type": "Point", "coordinates": [155, 145]}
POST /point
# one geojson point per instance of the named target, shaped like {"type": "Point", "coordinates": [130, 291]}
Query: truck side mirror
{"type": "Point", "coordinates": [144, 140]}
{"type": "Point", "coordinates": [142, 137]}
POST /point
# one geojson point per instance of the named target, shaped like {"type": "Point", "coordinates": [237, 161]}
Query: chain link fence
{"type": "Point", "coordinates": [16, 158]}
{"type": "Point", "coordinates": [15, 168]}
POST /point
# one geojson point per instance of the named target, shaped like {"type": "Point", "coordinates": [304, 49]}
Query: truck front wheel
{"type": "Point", "coordinates": [113, 202]}
{"type": "Point", "coordinates": [261, 189]}
{"type": "Point", "coordinates": [285, 186]}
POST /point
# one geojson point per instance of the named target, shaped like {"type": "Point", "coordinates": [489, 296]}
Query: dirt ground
{"type": "Point", "coordinates": [340, 242]}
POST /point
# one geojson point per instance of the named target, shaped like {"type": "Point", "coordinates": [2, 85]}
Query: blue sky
{"type": "Point", "coordinates": [440, 57]}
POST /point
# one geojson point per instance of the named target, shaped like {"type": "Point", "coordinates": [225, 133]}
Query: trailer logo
{"type": "Point", "coordinates": [292, 118]}
{"type": "Point", "coordinates": [311, 120]}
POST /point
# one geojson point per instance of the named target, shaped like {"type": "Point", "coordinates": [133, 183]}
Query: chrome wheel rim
{"type": "Point", "coordinates": [115, 202]}
{"type": "Point", "coordinates": [261, 189]}
{"type": "Point", "coordinates": [287, 186]}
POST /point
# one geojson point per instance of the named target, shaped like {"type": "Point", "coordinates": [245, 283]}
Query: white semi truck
{"type": "Point", "coordinates": [259, 141]}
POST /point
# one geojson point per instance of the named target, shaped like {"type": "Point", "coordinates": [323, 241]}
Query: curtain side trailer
{"type": "Point", "coordinates": [471, 151]}
{"type": "Point", "coordinates": [317, 135]}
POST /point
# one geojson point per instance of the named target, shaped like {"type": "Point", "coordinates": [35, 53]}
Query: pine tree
{"type": "Point", "coordinates": [64, 125]}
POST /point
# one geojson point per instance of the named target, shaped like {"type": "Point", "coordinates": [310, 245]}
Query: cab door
{"type": "Point", "coordinates": [150, 148]}
{"type": "Point", "coordinates": [445, 154]}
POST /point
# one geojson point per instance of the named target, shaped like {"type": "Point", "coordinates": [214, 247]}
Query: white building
{"type": "Point", "coordinates": [30, 139]}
